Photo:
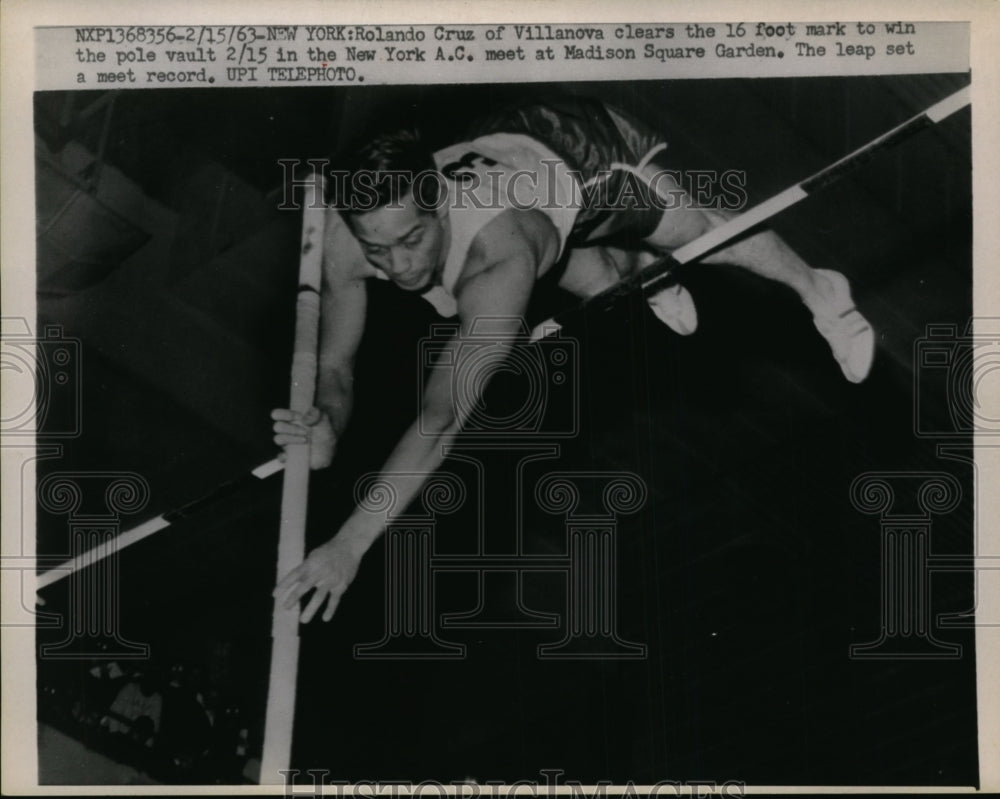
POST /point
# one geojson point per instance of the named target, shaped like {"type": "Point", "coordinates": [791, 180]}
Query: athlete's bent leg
{"type": "Point", "coordinates": [591, 270]}
{"type": "Point", "coordinates": [824, 292]}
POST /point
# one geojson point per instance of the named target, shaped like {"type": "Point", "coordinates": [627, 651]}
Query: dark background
{"type": "Point", "coordinates": [747, 574]}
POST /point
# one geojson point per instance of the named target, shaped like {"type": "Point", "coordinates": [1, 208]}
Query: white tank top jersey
{"type": "Point", "coordinates": [503, 171]}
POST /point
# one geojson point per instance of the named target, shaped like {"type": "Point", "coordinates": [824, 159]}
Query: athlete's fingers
{"type": "Point", "coordinates": [331, 607]}
{"type": "Point", "coordinates": [311, 416]}
{"type": "Point", "coordinates": [296, 593]}
{"type": "Point", "coordinates": [289, 579]}
{"type": "Point", "coordinates": [289, 597]}
{"type": "Point", "coordinates": [314, 604]}
{"type": "Point", "coordinates": [284, 592]}
{"type": "Point", "coordinates": [284, 439]}
{"type": "Point", "coordinates": [285, 415]}
{"type": "Point", "coordinates": [289, 427]}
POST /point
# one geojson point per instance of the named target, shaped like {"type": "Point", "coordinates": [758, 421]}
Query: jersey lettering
{"type": "Point", "coordinates": [460, 170]}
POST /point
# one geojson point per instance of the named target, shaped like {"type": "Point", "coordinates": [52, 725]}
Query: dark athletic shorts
{"type": "Point", "coordinates": [589, 136]}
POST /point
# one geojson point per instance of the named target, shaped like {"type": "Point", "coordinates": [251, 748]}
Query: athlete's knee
{"type": "Point", "coordinates": [717, 216]}
{"type": "Point", "coordinates": [622, 262]}
{"type": "Point", "coordinates": [589, 271]}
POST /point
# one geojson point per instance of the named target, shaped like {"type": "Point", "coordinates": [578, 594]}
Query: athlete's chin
{"type": "Point", "coordinates": [415, 284]}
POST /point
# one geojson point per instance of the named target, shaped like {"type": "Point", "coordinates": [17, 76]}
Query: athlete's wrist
{"type": "Point", "coordinates": [359, 532]}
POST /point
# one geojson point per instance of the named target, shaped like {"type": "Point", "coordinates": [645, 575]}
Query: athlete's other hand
{"type": "Point", "coordinates": [312, 427]}
{"type": "Point", "coordinates": [328, 571]}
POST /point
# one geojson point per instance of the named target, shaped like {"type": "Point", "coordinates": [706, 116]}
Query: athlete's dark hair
{"type": "Point", "coordinates": [382, 172]}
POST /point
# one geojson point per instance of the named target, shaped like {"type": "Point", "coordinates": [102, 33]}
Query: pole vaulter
{"type": "Point", "coordinates": [291, 548]}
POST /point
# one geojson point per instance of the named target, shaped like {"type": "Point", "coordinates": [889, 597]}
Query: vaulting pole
{"type": "Point", "coordinates": [660, 274]}
{"type": "Point", "coordinates": [294, 499]}
{"type": "Point", "coordinates": [291, 545]}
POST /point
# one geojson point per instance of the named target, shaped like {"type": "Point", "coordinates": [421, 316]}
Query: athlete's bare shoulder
{"type": "Point", "coordinates": [512, 235]}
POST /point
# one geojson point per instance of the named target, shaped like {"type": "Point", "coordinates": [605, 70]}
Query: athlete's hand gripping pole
{"type": "Point", "coordinates": [294, 499]}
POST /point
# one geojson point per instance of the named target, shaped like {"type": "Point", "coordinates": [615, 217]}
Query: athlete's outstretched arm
{"type": "Point", "coordinates": [501, 281]}
{"type": "Point", "coordinates": [343, 306]}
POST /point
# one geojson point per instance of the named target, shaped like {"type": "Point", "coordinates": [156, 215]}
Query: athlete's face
{"type": "Point", "coordinates": [404, 241]}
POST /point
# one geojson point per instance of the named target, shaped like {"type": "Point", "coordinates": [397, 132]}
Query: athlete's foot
{"type": "Point", "coordinates": [848, 333]}
{"type": "Point", "coordinates": [674, 306]}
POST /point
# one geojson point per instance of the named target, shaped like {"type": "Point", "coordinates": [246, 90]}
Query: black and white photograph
{"type": "Point", "coordinates": [582, 430]}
